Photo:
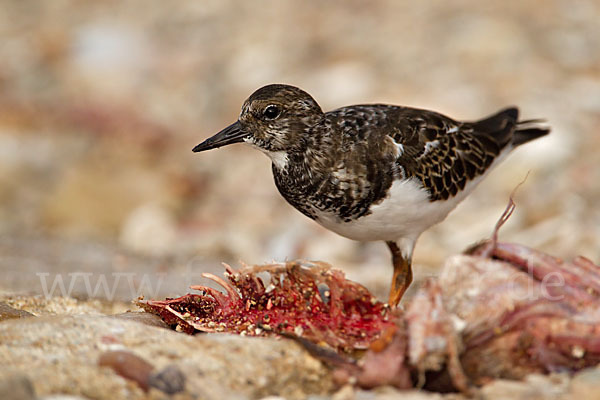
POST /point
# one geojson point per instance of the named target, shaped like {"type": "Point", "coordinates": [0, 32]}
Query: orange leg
{"type": "Point", "coordinates": [402, 277]}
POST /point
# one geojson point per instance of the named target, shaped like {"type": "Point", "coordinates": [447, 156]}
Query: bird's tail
{"type": "Point", "coordinates": [528, 130]}
{"type": "Point", "coordinates": [505, 127]}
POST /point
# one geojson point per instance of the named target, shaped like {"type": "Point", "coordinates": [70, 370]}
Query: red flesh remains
{"type": "Point", "coordinates": [311, 300]}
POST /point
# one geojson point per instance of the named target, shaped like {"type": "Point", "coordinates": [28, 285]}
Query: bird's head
{"type": "Point", "coordinates": [275, 119]}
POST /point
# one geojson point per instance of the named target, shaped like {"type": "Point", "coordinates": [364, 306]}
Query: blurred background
{"type": "Point", "coordinates": [102, 102]}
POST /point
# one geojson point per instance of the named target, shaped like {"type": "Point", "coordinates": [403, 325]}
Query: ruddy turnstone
{"type": "Point", "coordinates": [376, 171]}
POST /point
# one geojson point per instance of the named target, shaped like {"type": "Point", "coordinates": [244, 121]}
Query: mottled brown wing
{"type": "Point", "coordinates": [445, 154]}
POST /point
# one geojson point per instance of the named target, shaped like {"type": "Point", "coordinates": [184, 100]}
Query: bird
{"type": "Point", "coordinates": [373, 172]}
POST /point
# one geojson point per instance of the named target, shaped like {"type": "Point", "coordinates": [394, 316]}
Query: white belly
{"type": "Point", "coordinates": [404, 214]}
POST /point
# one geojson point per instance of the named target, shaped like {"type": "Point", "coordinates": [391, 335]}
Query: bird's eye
{"type": "Point", "coordinates": [271, 112]}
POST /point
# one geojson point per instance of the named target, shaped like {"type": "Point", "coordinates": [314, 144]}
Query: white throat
{"type": "Point", "coordinates": [280, 158]}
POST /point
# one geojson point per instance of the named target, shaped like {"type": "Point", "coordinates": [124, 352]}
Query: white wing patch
{"type": "Point", "coordinates": [430, 146]}
{"type": "Point", "coordinates": [400, 148]}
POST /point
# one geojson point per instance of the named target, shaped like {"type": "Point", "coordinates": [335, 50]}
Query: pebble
{"type": "Point", "coordinates": [129, 366]}
{"type": "Point", "coordinates": [143, 318]}
{"type": "Point", "coordinates": [169, 380]}
{"type": "Point", "coordinates": [17, 387]}
{"type": "Point", "coordinates": [345, 393]}
{"type": "Point", "coordinates": [8, 312]}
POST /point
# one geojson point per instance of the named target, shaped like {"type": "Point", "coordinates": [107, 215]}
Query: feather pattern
{"type": "Point", "coordinates": [340, 166]}
{"type": "Point", "coordinates": [370, 146]}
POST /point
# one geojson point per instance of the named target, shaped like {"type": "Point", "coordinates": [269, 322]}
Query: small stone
{"type": "Point", "coordinates": [8, 312]}
{"type": "Point", "coordinates": [345, 393]}
{"type": "Point", "coordinates": [169, 380]}
{"type": "Point", "coordinates": [128, 365]}
{"type": "Point", "coordinates": [143, 318]}
{"type": "Point", "coordinates": [17, 387]}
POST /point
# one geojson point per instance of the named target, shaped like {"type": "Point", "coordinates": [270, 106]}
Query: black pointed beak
{"type": "Point", "coordinates": [232, 134]}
